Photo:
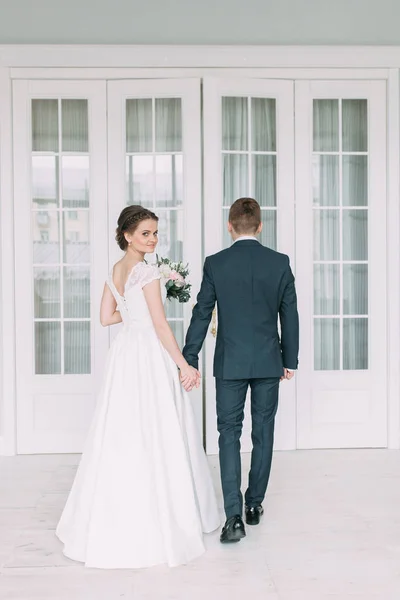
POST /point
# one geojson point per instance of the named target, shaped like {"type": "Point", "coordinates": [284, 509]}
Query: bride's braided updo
{"type": "Point", "coordinates": [128, 221]}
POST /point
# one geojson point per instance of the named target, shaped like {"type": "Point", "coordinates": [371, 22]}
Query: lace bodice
{"type": "Point", "coordinates": [132, 305]}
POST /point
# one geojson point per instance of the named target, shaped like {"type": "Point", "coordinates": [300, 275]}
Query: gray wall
{"type": "Point", "coordinates": [200, 22]}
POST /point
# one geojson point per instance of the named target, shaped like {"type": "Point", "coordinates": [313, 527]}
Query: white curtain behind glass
{"type": "Point", "coordinates": [249, 159]}
{"type": "Point", "coordinates": [154, 176]}
{"type": "Point", "coordinates": [340, 197]}
{"type": "Point", "coordinates": [61, 241]}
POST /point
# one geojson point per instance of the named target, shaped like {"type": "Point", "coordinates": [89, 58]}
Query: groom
{"type": "Point", "coordinates": [252, 285]}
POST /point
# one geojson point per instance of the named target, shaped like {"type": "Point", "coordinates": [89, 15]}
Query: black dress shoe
{"type": "Point", "coordinates": [233, 530]}
{"type": "Point", "coordinates": [253, 514]}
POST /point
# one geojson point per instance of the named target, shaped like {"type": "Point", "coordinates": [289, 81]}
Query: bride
{"type": "Point", "coordinates": [143, 493]}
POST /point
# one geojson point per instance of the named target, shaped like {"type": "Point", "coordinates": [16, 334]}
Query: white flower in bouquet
{"type": "Point", "coordinates": [174, 275]}
{"type": "Point", "coordinates": [165, 270]}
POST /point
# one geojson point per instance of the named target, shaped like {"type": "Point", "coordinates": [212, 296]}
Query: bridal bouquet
{"type": "Point", "coordinates": [174, 274]}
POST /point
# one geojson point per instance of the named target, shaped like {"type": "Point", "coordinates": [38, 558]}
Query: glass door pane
{"type": "Point", "coordinates": [61, 240]}
{"type": "Point", "coordinates": [154, 176]}
{"type": "Point", "coordinates": [249, 159]}
{"type": "Point", "coordinates": [340, 195]}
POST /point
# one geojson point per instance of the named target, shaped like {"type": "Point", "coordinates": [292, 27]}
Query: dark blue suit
{"type": "Point", "coordinates": [252, 285]}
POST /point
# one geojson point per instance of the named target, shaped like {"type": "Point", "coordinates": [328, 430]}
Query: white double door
{"type": "Point", "coordinates": [312, 153]}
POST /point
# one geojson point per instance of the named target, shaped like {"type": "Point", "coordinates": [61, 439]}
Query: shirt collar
{"type": "Point", "coordinates": [245, 237]}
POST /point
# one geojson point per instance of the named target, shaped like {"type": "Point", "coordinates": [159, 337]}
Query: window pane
{"type": "Point", "coordinates": [355, 344]}
{"type": "Point", "coordinates": [76, 237]}
{"type": "Point", "coordinates": [355, 235]}
{"type": "Point", "coordinates": [76, 292]}
{"type": "Point", "coordinates": [75, 125]}
{"type": "Point", "coordinates": [46, 237]}
{"type": "Point", "coordinates": [234, 124]}
{"type": "Point", "coordinates": [226, 236]}
{"type": "Point", "coordinates": [326, 234]}
{"type": "Point", "coordinates": [263, 121]}
{"type": "Point", "coordinates": [168, 124]}
{"type": "Point", "coordinates": [45, 181]}
{"type": "Point", "coordinates": [355, 289]}
{"type": "Point", "coordinates": [47, 292]}
{"type": "Point", "coordinates": [45, 125]}
{"type": "Point", "coordinates": [169, 180]}
{"type": "Point", "coordinates": [355, 180]}
{"type": "Point", "coordinates": [174, 309]}
{"type": "Point", "coordinates": [235, 177]}
{"type": "Point", "coordinates": [355, 125]}
{"type": "Point", "coordinates": [326, 290]}
{"type": "Point", "coordinates": [264, 179]}
{"type": "Point", "coordinates": [268, 233]}
{"type": "Point", "coordinates": [139, 125]}
{"type": "Point", "coordinates": [326, 344]}
{"type": "Point", "coordinates": [75, 178]}
{"type": "Point", "coordinates": [170, 234]}
{"type": "Point", "coordinates": [139, 180]}
{"type": "Point", "coordinates": [47, 348]}
{"type": "Point", "coordinates": [325, 180]}
{"type": "Point", "coordinates": [76, 348]}
{"type": "Point", "coordinates": [326, 126]}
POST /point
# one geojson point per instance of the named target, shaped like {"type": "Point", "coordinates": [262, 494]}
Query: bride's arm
{"type": "Point", "coordinates": [152, 293]}
{"type": "Point", "coordinates": [109, 315]}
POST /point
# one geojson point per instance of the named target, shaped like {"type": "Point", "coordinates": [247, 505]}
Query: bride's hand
{"type": "Point", "coordinates": [190, 377]}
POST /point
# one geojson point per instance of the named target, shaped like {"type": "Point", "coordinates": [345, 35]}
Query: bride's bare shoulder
{"type": "Point", "coordinates": [118, 265]}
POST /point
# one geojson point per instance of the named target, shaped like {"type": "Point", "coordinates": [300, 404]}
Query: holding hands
{"type": "Point", "coordinates": [190, 377]}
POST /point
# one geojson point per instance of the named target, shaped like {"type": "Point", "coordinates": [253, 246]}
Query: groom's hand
{"type": "Point", "coordinates": [287, 374]}
{"type": "Point", "coordinates": [189, 384]}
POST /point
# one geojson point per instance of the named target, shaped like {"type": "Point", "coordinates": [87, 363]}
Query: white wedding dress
{"type": "Point", "coordinates": [143, 493]}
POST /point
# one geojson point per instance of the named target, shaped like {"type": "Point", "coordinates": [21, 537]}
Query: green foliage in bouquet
{"type": "Point", "coordinates": [174, 274]}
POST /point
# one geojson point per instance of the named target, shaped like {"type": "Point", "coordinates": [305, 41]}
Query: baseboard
{"type": "Point", "coordinates": [4, 451]}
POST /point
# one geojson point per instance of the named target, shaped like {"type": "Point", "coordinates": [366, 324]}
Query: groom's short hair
{"type": "Point", "coordinates": [245, 216]}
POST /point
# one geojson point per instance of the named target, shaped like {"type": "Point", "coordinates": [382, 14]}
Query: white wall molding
{"type": "Point", "coordinates": [7, 304]}
{"type": "Point", "coordinates": [393, 253]}
{"type": "Point", "coordinates": [115, 73]}
{"type": "Point", "coordinates": [150, 56]}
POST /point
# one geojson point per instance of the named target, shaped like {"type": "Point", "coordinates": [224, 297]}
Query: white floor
{"type": "Point", "coordinates": [331, 531]}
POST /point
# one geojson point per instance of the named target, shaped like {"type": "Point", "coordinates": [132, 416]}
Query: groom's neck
{"type": "Point", "coordinates": [238, 236]}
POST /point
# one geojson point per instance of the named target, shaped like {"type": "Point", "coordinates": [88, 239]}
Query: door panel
{"type": "Point", "coordinates": [248, 151]}
{"type": "Point", "coordinates": [154, 158]}
{"type": "Point", "coordinates": [60, 175]}
{"type": "Point", "coordinates": [341, 263]}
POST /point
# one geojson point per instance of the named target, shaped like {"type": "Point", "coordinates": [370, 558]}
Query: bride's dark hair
{"type": "Point", "coordinates": [129, 220]}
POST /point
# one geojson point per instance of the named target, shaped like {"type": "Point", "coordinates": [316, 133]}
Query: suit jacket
{"type": "Point", "coordinates": [252, 285]}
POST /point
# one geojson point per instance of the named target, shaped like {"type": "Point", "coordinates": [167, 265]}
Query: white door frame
{"type": "Point", "coordinates": [7, 273]}
{"type": "Point", "coordinates": [100, 62]}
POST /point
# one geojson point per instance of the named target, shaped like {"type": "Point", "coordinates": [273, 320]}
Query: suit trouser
{"type": "Point", "coordinates": [231, 397]}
